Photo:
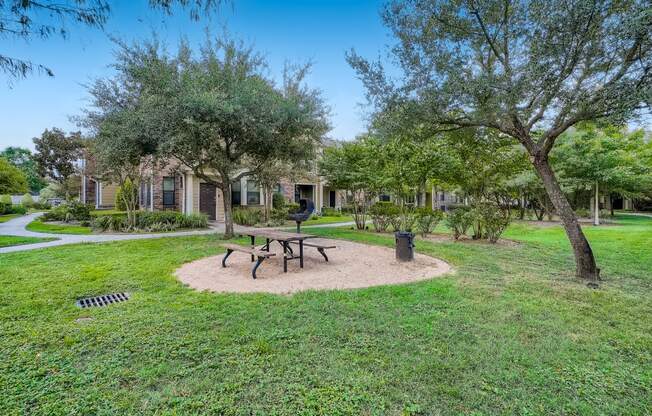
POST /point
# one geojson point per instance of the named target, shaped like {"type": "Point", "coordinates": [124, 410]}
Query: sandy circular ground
{"type": "Point", "coordinates": [350, 265]}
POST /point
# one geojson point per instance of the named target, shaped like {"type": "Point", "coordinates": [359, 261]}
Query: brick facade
{"type": "Point", "coordinates": [287, 189]}
{"type": "Point", "coordinates": [90, 191]}
{"type": "Point", "coordinates": [157, 192]}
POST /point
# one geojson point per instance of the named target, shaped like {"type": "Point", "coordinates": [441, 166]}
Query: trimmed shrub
{"type": "Point", "coordinates": [383, 214]}
{"type": "Point", "coordinates": [278, 216]}
{"type": "Point", "coordinates": [146, 220]}
{"type": "Point", "coordinates": [5, 199]}
{"type": "Point", "coordinates": [41, 205]}
{"type": "Point", "coordinates": [583, 213]}
{"type": "Point", "coordinates": [459, 220]}
{"type": "Point", "coordinates": [27, 201]}
{"type": "Point", "coordinates": [292, 207]}
{"type": "Point", "coordinates": [127, 187]}
{"type": "Point", "coordinates": [492, 221]}
{"type": "Point", "coordinates": [110, 223]}
{"type": "Point", "coordinates": [330, 212]}
{"type": "Point", "coordinates": [56, 214]}
{"type": "Point", "coordinates": [246, 216]}
{"type": "Point", "coordinates": [70, 211]}
{"type": "Point", "coordinates": [348, 209]}
{"type": "Point", "coordinates": [78, 211]}
{"type": "Point", "coordinates": [426, 219]}
{"type": "Point", "coordinates": [6, 209]}
{"type": "Point", "coordinates": [150, 221]}
{"type": "Point", "coordinates": [278, 201]}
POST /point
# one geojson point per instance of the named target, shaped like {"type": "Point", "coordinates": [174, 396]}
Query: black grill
{"type": "Point", "coordinates": [102, 300]}
{"type": "Point", "coordinates": [306, 208]}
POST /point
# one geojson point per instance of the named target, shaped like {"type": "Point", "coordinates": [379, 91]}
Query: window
{"type": "Point", "coordinates": [442, 197]}
{"type": "Point", "coordinates": [253, 193]}
{"type": "Point", "coordinates": [384, 198]}
{"type": "Point", "coordinates": [168, 191]}
{"type": "Point", "coordinates": [278, 189]}
{"type": "Point", "coordinates": [235, 194]}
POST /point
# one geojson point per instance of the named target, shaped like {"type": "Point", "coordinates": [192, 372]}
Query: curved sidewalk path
{"type": "Point", "coordinates": [16, 227]}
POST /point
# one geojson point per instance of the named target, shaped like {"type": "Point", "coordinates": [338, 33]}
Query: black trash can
{"type": "Point", "coordinates": [404, 246]}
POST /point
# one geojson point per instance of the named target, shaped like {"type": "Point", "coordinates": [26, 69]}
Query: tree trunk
{"type": "Point", "coordinates": [585, 266]}
{"type": "Point", "coordinates": [611, 205]}
{"type": "Point", "coordinates": [596, 207]}
{"type": "Point", "coordinates": [228, 209]}
{"type": "Point", "coordinates": [521, 214]}
{"type": "Point", "coordinates": [265, 205]}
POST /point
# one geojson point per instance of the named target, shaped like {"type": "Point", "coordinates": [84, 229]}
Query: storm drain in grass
{"type": "Point", "coordinates": [102, 300]}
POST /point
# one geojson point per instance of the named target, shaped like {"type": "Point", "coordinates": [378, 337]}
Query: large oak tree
{"type": "Point", "coordinates": [529, 69]}
{"type": "Point", "coordinates": [218, 113]}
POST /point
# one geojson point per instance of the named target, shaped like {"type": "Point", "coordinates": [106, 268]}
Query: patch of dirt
{"type": "Point", "coordinates": [350, 266]}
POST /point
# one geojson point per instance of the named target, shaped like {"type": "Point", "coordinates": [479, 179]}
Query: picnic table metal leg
{"type": "Point", "coordinates": [287, 247]}
{"type": "Point", "coordinates": [285, 256]}
{"type": "Point", "coordinates": [256, 266]}
{"type": "Point", "coordinates": [266, 248]}
{"type": "Point", "coordinates": [228, 253]}
{"type": "Point", "coordinates": [301, 253]}
{"type": "Point", "coordinates": [253, 246]}
{"type": "Point", "coordinates": [322, 252]}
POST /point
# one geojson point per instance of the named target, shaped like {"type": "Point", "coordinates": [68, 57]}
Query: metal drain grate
{"type": "Point", "coordinates": [102, 300]}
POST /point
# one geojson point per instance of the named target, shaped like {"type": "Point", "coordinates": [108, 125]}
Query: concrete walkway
{"type": "Point", "coordinates": [16, 227]}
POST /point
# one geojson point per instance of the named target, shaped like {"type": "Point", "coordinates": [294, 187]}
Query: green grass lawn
{"type": "Point", "coordinates": [326, 220]}
{"type": "Point", "coordinates": [43, 227]}
{"type": "Point", "coordinates": [7, 217]}
{"type": "Point", "coordinates": [511, 332]}
{"type": "Point", "coordinates": [12, 240]}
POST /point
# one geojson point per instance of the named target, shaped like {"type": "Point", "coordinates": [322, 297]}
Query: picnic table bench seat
{"type": "Point", "coordinates": [320, 247]}
{"type": "Point", "coordinates": [261, 255]}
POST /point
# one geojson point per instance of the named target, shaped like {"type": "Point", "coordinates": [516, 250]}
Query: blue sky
{"type": "Point", "coordinates": [298, 31]}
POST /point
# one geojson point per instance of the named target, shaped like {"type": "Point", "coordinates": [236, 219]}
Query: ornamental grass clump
{"type": "Point", "coordinates": [150, 222]}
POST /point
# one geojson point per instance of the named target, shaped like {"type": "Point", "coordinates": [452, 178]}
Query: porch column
{"type": "Point", "coordinates": [190, 186]}
{"type": "Point", "coordinates": [319, 189]}
{"type": "Point", "coordinates": [243, 191]}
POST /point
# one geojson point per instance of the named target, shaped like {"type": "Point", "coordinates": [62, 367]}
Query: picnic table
{"type": "Point", "coordinates": [284, 238]}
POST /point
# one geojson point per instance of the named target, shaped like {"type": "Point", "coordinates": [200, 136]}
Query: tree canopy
{"type": "Point", "coordinates": [12, 179]}
{"type": "Point", "coordinates": [352, 167]}
{"type": "Point", "coordinates": [610, 156]}
{"type": "Point", "coordinates": [528, 69]}
{"type": "Point", "coordinates": [57, 155]}
{"type": "Point", "coordinates": [22, 158]}
{"type": "Point", "coordinates": [215, 112]}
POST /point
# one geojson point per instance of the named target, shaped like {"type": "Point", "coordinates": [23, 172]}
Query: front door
{"type": "Point", "coordinates": [207, 195]}
{"type": "Point", "coordinates": [331, 199]}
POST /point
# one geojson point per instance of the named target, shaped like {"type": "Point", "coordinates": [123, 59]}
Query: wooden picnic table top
{"type": "Point", "coordinates": [277, 235]}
